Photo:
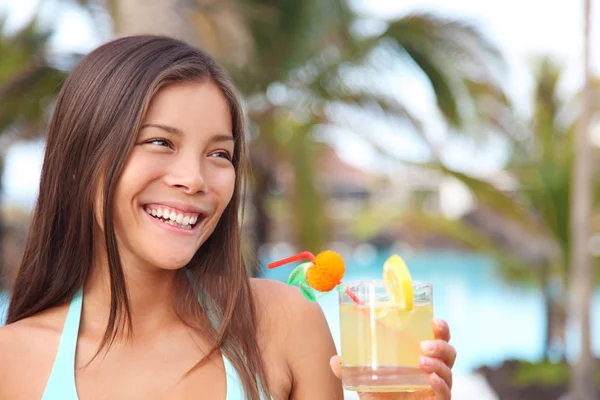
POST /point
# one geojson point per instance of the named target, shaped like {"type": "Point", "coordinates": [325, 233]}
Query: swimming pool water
{"type": "Point", "coordinates": [490, 320]}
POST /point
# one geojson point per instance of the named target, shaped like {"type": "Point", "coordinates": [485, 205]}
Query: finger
{"type": "Point", "coordinates": [442, 391]}
{"type": "Point", "coordinates": [336, 366]}
{"type": "Point", "coordinates": [440, 329]}
{"type": "Point", "coordinates": [433, 366]}
{"type": "Point", "coordinates": [439, 349]}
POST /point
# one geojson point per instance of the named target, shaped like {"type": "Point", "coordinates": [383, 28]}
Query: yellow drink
{"type": "Point", "coordinates": [380, 340]}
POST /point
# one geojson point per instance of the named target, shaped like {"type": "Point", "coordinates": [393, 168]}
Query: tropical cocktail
{"type": "Point", "coordinates": [382, 325]}
{"type": "Point", "coordinates": [382, 322]}
{"type": "Point", "coordinates": [380, 338]}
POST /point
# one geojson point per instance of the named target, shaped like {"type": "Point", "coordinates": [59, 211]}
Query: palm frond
{"type": "Point", "coordinates": [26, 99]}
{"type": "Point", "coordinates": [448, 52]}
{"type": "Point", "coordinates": [493, 198]}
{"type": "Point", "coordinates": [294, 32]}
{"type": "Point", "coordinates": [457, 38]}
{"type": "Point", "coordinates": [374, 103]}
{"type": "Point", "coordinates": [28, 83]}
{"type": "Point", "coordinates": [512, 266]}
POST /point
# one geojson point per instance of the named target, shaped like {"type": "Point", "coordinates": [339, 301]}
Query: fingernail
{"type": "Point", "coordinates": [438, 322]}
{"type": "Point", "coordinates": [427, 346]}
{"type": "Point", "coordinates": [437, 378]}
{"type": "Point", "coordinates": [426, 361]}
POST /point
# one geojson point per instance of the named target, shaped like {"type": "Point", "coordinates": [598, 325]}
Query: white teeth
{"type": "Point", "coordinates": [173, 218]}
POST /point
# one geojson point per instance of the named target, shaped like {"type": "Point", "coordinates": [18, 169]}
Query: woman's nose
{"type": "Point", "coordinates": [188, 175]}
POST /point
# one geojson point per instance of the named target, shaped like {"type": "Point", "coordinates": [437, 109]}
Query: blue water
{"type": "Point", "coordinates": [490, 320]}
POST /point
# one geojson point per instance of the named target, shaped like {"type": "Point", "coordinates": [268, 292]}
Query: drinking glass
{"type": "Point", "coordinates": [380, 340]}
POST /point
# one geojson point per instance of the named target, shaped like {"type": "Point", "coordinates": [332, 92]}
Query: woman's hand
{"type": "Point", "coordinates": [437, 360]}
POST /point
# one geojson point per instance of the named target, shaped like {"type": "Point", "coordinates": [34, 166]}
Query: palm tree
{"type": "Point", "coordinates": [584, 370]}
{"type": "Point", "coordinates": [299, 76]}
{"type": "Point", "coordinates": [28, 84]}
{"type": "Point", "coordinates": [528, 230]}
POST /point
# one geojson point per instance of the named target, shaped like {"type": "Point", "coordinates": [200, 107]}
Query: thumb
{"type": "Point", "coordinates": [336, 366]}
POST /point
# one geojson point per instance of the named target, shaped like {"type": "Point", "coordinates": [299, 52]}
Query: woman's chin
{"type": "Point", "coordinates": [172, 264]}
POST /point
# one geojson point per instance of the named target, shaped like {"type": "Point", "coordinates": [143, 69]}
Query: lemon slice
{"type": "Point", "coordinates": [400, 288]}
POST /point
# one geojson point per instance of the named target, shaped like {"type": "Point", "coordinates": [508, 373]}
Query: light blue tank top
{"type": "Point", "coordinates": [61, 384]}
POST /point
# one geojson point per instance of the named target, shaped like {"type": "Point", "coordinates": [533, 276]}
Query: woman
{"type": "Point", "coordinates": [132, 285]}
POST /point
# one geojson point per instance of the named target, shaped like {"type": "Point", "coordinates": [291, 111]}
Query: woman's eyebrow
{"type": "Point", "coordinates": [177, 131]}
{"type": "Point", "coordinates": [222, 138]}
{"type": "Point", "coordinates": [167, 128]}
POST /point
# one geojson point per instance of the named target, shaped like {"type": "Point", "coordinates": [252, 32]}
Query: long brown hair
{"type": "Point", "coordinates": [97, 116]}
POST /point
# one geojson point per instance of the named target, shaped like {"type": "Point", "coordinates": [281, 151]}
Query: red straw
{"type": "Point", "coordinates": [297, 257]}
{"type": "Point", "coordinates": [354, 297]}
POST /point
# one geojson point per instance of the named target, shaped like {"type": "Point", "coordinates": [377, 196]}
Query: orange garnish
{"type": "Point", "coordinates": [326, 272]}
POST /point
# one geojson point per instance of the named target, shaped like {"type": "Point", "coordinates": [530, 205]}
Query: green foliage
{"type": "Point", "coordinates": [302, 50]}
{"type": "Point", "coordinates": [514, 268]}
{"type": "Point", "coordinates": [541, 166]}
{"type": "Point", "coordinates": [539, 207]}
{"type": "Point", "coordinates": [295, 71]}
{"type": "Point", "coordinates": [28, 84]}
{"type": "Point", "coordinates": [369, 223]}
{"type": "Point", "coordinates": [460, 63]}
{"type": "Point", "coordinates": [544, 374]}
{"type": "Point", "coordinates": [493, 198]}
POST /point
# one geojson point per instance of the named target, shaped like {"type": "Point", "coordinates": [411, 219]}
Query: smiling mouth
{"type": "Point", "coordinates": [174, 218]}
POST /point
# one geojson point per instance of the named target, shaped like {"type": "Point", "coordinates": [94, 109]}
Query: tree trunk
{"type": "Point", "coordinates": [260, 175]}
{"type": "Point", "coordinates": [3, 271]}
{"type": "Point", "coordinates": [582, 276]}
{"type": "Point", "coordinates": [165, 17]}
{"type": "Point", "coordinates": [260, 195]}
{"type": "Point", "coordinates": [544, 286]}
{"type": "Point", "coordinates": [217, 26]}
{"type": "Point", "coordinates": [554, 340]}
{"type": "Point", "coordinates": [305, 198]}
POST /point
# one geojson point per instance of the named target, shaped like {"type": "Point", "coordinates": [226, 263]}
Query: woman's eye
{"type": "Point", "coordinates": [159, 142]}
{"type": "Point", "coordinates": [222, 154]}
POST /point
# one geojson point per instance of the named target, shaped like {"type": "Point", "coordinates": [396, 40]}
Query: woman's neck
{"type": "Point", "coordinates": [150, 293]}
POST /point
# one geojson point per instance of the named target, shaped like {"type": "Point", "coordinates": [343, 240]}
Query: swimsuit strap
{"type": "Point", "coordinates": [61, 384]}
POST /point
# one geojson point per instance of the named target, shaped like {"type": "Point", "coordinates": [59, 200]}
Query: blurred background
{"type": "Point", "coordinates": [462, 135]}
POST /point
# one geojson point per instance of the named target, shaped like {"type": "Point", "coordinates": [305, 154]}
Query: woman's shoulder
{"type": "Point", "coordinates": [47, 322]}
{"type": "Point", "coordinates": [14, 337]}
{"type": "Point", "coordinates": [28, 346]}
{"type": "Point", "coordinates": [283, 311]}
{"type": "Point", "coordinates": [274, 297]}
{"type": "Point", "coordinates": [294, 330]}
{"type": "Point", "coordinates": [263, 288]}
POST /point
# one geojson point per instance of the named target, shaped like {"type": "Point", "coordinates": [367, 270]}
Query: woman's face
{"type": "Point", "coordinates": [179, 177]}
